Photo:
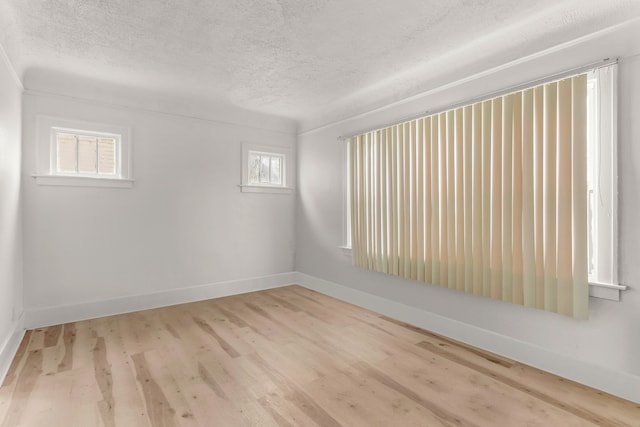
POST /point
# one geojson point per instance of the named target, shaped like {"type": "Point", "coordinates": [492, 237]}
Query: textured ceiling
{"type": "Point", "coordinates": [291, 58]}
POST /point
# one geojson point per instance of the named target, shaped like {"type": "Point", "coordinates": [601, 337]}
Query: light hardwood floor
{"type": "Point", "coordinates": [282, 357]}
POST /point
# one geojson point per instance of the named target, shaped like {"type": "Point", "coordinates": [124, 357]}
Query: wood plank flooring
{"type": "Point", "coordinates": [282, 357]}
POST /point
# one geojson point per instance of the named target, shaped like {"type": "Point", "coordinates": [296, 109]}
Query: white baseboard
{"type": "Point", "coordinates": [45, 316]}
{"type": "Point", "coordinates": [9, 347]}
{"type": "Point", "coordinates": [620, 384]}
{"type": "Point", "coordinates": [617, 383]}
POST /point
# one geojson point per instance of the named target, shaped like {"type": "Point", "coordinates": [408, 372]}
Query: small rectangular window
{"type": "Point", "coordinates": [264, 169]}
{"type": "Point", "coordinates": [78, 153]}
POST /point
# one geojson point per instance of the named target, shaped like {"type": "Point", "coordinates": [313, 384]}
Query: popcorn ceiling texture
{"type": "Point", "coordinates": [290, 58]}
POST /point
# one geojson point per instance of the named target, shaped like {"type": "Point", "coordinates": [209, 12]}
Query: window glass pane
{"type": "Point", "coordinates": [601, 175]}
{"type": "Point", "coordinates": [264, 169]}
{"type": "Point", "coordinates": [276, 178]}
{"type": "Point", "coordinates": [66, 147]}
{"type": "Point", "coordinates": [254, 168]}
{"type": "Point", "coordinates": [87, 152]}
{"type": "Point", "coordinates": [106, 156]}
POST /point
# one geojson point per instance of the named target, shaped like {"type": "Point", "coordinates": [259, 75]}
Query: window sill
{"type": "Point", "coordinates": [606, 291]}
{"type": "Point", "coordinates": [265, 189]}
{"type": "Point", "coordinates": [345, 250]}
{"type": "Point", "coordinates": [82, 181]}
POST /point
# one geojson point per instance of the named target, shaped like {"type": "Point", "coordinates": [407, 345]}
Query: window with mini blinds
{"type": "Point", "coordinates": [513, 198]}
{"type": "Point", "coordinates": [85, 153]}
{"type": "Point", "coordinates": [79, 153]}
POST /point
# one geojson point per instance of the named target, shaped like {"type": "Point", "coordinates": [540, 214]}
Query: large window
{"type": "Point", "coordinates": [493, 198]}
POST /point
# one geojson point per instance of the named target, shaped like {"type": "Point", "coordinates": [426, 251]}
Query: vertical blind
{"type": "Point", "coordinates": [489, 198]}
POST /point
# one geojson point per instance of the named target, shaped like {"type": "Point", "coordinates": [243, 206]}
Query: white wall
{"type": "Point", "coordinates": [185, 223]}
{"type": "Point", "coordinates": [10, 213]}
{"type": "Point", "coordinates": [609, 341]}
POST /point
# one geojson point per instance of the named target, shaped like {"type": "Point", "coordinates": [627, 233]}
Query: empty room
{"type": "Point", "coordinates": [319, 213]}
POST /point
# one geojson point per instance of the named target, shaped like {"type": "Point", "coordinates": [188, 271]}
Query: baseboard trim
{"type": "Point", "coordinates": [10, 347]}
{"type": "Point", "coordinates": [38, 317]}
{"type": "Point", "coordinates": [620, 384]}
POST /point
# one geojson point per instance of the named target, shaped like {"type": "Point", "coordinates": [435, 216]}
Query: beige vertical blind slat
{"type": "Point", "coordinates": [394, 201]}
{"type": "Point", "coordinates": [539, 193]}
{"type": "Point", "coordinates": [549, 188]}
{"type": "Point", "coordinates": [378, 201]}
{"type": "Point", "coordinates": [363, 204]}
{"type": "Point", "coordinates": [384, 190]}
{"type": "Point", "coordinates": [528, 203]}
{"type": "Point", "coordinates": [414, 236]}
{"type": "Point", "coordinates": [563, 208]}
{"type": "Point", "coordinates": [496, 199]}
{"type": "Point", "coordinates": [467, 169]}
{"type": "Point", "coordinates": [444, 206]}
{"type": "Point", "coordinates": [435, 200]}
{"type": "Point", "coordinates": [459, 192]}
{"type": "Point", "coordinates": [354, 178]}
{"type": "Point", "coordinates": [353, 200]}
{"type": "Point", "coordinates": [579, 197]}
{"type": "Point", "coordinates": [507, 198]}
{"type": "Point", "coordinates": [356, 221]}
{"type": "Point", "coordinates": [361, 240]}
{"type": "Point", "coordinates": [516, 277]}
{"type": "Point", "coordinates": [488, 198]}
{"type": "Point", "coordinates": [402, 204]}
{"type": "Point", "coordinates": [428, 206]}
{"type": "Point", "coordinates": [373, 214]}
{"type": "Point", "coordinates": [420, 218]}
{"type": "Point", "coordinates": [406, 222]}
{"type": "Point", "coordinates": [367, 211]}
{"type": "Point", "coordinates": [477, 212]}
{"type": "Point", "coordinates": [451, 199]}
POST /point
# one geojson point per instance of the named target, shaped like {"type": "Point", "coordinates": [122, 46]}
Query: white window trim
{"type": "Point", "coordinates": [284, 152]}
{"type": "Point", "coordinates": [345, 247]}
{"type": "Point", "coordinates": [46, 173]}
{"type": "Point", "coordinates": [606, 291]}
{"type": "Point", "coordinates": [604, 282]}
{"type": "Point", "coordinates": [83, 181]}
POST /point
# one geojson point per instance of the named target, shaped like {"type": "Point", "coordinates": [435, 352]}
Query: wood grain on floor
{"type": "Point", "coordinates": [281, 357]}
